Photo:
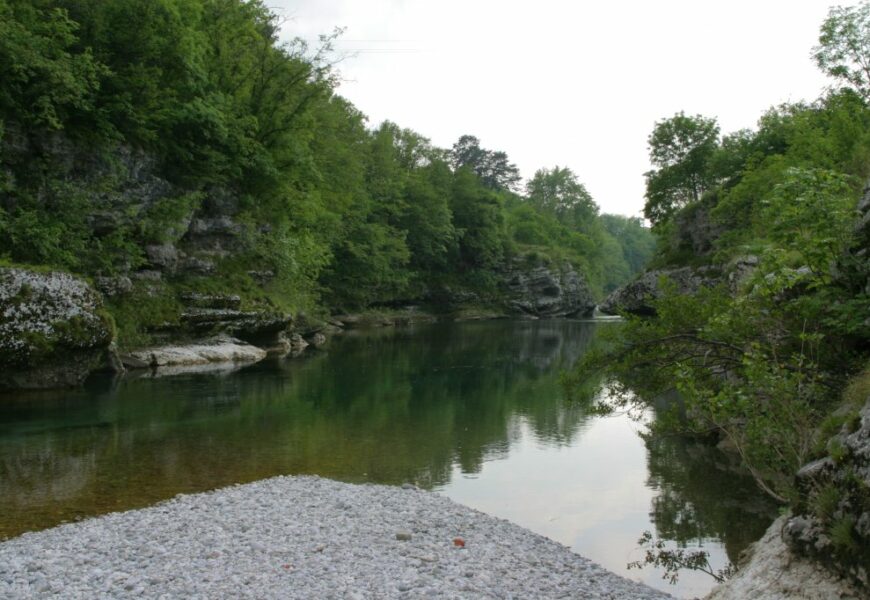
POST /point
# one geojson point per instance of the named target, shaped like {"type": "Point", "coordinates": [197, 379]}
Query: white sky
{"type": "Point", "coordinates": [569, 83]}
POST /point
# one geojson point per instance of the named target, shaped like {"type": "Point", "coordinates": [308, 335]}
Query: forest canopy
{"type": "Point", "coordinates": [344, 214]}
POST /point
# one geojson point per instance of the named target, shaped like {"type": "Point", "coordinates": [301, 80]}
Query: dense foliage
{"type": "Point", "coordinates": [762, 359]}
{"type": "Point", "coordinates": [228, 115]}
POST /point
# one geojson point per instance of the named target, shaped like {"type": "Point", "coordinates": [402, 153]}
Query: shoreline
{"type": "Point", "coordinates": [302, 537]}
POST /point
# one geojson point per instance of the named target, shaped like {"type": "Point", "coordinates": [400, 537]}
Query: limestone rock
{"type": "Point", "coordinates": [249, 325]}
{"type": "Point", "coordinates": [697, 229]}
{"type": "Point", "coordinates": [114, 286]}
{"type": "Point", "coordinates": [53, 331]}
{"type": "Point", "coordinates": [297, 344]}
{"type": "Point", "coordinates": [847, 470]}
{"type": "Point", "coordinates": [637, 296]}
{"type": "Point", "coordinates": [773, 572]}
{"type": "Point", "coordinates": [544, 291]}
{"type": "Point", "coordinates": [215, 301]}
{"type": "Point", "coordinates": [318, 340]}
{"type": "Point", "coordinates": [217, 350]}
{"type": "Point", "coordinates": [162, 256]}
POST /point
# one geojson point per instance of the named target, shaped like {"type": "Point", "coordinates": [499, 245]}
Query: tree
{"type": "Point", "coordinates": [844, 46]}
{"type": "Point", "coordinates": [681, 149]}
{"type": "Point", "coordinates": [479, 221]}
{"type": "Point", "coordinates": [493, 168]}
{"type": "Point", "coordinates": [558, 192]}
{"type": "Point", "coordinates": [45, 78]}
{"type": "Point", "coordinates": [636, 241]}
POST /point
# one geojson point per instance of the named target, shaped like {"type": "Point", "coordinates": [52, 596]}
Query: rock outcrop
{"type": "Point", "coordinates": [772, 571]}
{"type": "Point", "coordinates": [211, 314]}
{"type": "Point", "coordinates": [637, 297]}
{"type": "Point", "coordinates": [543, 291]}
{"type": "Point", "coordinates": [695, 228]}
{"type": "Point", "coordinates": [832, 523]}
{"type": "Point", "coordinates": [53, 331]}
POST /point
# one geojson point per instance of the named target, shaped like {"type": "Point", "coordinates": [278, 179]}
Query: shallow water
{"type": "Point", "coordinates": [473, 410]}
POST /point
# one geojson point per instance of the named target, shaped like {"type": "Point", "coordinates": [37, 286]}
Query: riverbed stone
{"type": "Point", "coordinates": [325, 552]}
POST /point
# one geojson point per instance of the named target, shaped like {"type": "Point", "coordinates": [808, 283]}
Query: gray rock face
{"type": "Point", "coordinates": [548, 292]}
{"type": "Point", "coordinates": [114, 286]}
{"type": "Point", "coordinates": [52, 329]}
{"type": "Point", "coordinates": [774, 572]}
{"type": "Point", "coordinates": [637, 296]}
{"type": "Point", "coordinates": [697, 229]}
{"type": "Point", "coordinates": [162, 256]}
{"type": "Point", "coordinates": [848, 471]}
{"type": "Point", "coordinates": [207, 314]}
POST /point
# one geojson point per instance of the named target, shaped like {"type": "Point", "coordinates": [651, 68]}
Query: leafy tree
{"type": "Point", "coordinates": [47, 78]}
{"type": "Point", "coordinates": [558, 192]}
{"type": "Point", "coordinates": [428, 219]}
{"type": "Point", "coordinates": [479, 221]}
{"type": "Point", "coordinates": [844, 46]}
{"type": "Point", "coordinates": [493, 168]}
{"type": "Point", "coordinates": [681, 149]}
{"type": "Point", "coordinates": [635, 240]}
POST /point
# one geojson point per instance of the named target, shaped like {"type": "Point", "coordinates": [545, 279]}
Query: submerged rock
{"type": "Point", "coordinates": [53, 330]}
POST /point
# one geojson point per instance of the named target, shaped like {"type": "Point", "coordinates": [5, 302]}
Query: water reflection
{"type": "Point", "coordinates": [701, 495]}
{"type": "Point", "coordinates": [389, 406]}
{"type": "Point", "coordinates": [435, 405]}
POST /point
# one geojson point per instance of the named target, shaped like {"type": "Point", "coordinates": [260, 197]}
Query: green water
{"type": "Point", "coordinates": [472, 410]}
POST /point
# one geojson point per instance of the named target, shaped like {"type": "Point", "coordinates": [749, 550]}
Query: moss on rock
{"type": "Point", "coordinates": [53, 329]}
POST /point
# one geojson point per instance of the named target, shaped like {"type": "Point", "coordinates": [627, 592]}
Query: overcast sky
{"type": "Point", "coordinates": [570, 83]}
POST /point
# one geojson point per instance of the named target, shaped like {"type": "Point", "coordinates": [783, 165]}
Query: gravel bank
{"type": "Point", "coordinates": [301, 537]}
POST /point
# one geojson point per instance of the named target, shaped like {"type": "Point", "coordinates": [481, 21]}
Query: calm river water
{"type": "Point", "coordinates": [474, 411]}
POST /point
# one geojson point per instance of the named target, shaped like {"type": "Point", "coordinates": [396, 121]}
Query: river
{"type": "Point", "coordinates": [474, 411]}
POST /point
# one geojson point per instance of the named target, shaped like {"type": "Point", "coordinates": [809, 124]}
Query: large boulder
{"type": "Point", "coordinates": [53, 330]}
{"type": "Point", "coordinates": [221, 349]}
{"type": "Point", "coordinates": [544, 291]}
{"type": "Point", "coordinates": [638, 296]}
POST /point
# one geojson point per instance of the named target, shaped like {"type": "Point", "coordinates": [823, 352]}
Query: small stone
{"type": "Point", "coordinates": [403, 535]}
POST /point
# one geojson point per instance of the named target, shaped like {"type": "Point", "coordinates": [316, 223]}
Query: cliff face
{"type": "Point", "coordinates": [543, 291]}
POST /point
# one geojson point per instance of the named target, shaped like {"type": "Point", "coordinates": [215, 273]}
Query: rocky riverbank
{"type": "Point", "coordinates": [302, 537]}
{"type": "Point", "coordinates": [56, 328]}
{"type": "Point", "coordinates": [774, 571]}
